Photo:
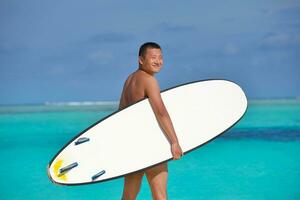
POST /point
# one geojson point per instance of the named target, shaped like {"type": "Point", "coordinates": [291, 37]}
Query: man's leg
{"type": "Point", "coordinates": [132, 185]}
{"type": "Point", "coordinates": [157, 177]}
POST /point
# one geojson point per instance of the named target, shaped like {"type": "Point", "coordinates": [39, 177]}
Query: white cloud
{"type": "Point", "coordinates": [56, 70]}
{"type": "Point", "coordinates": [230, 49]}
{"type": "Point", "coordinates": [277, 38]}
{"type": "Point", "coordinates": [101, 56]}
{"type": "Point", "coordinates": [281, 39]}
{"type": "Point", "coordinates": [285, 6]}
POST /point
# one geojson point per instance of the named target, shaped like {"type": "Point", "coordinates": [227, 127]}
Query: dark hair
{"type": "Point", "coordinates": [147, 45]}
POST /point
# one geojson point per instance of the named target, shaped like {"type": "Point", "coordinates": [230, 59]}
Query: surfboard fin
{"type": "Point", "coordinates": [98, 175]}
{"type": "Point", "coordinates": [82, 140]}
{"type": "Point", "coordinates": [67, 168]}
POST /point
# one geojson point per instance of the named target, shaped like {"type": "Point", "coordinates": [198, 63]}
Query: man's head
{"type": "Point", "coordinates": [150, 57]}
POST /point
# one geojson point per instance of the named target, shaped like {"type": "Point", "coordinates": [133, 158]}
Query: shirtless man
{"type": "Point", "coordinates": [141, 84]}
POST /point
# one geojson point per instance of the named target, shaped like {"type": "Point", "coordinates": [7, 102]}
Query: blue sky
{"type": "Point", "coordinates": [56, 51]}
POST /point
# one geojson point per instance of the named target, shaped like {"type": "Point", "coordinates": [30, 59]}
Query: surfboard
{"type": "Point", "coordinates": [131, 139]}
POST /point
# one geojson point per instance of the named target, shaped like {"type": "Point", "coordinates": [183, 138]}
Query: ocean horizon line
{"type": "Point", "coordinates": [114, 102]}
{"type": "Point", "coordinates": [64, 103]}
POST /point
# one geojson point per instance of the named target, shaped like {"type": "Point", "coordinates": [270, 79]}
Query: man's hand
{"type": "Point", "coordinates": [176, 151]}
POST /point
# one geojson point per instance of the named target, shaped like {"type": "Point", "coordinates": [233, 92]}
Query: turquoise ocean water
{"type": "Point", "coordinates": [257, 159]}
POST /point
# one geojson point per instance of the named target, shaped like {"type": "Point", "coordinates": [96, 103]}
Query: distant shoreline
{"type": "Point", "coordinates": [70, 103]}
{"type": "Point", "coordinates": [112, 103]}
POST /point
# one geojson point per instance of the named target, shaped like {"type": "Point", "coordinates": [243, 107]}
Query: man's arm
{"type": "Point", "coordinates": [152, 91]}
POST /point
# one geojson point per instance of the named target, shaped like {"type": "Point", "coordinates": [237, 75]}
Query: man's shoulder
{"type": "Point", "coordinates": [145, 78]}
{"type": "Point", "coordinates": [151, 85]}
{"type": "Point", "coordinates": [149, 80]}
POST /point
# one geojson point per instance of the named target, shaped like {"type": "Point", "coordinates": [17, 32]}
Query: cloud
{"type": "Point", "coordinates": [284, 8]}
{"type": "Point", "coordinates": [100, 56]}
{"type": "Point", "coordinates": [113, 37]}
{"type": "Point", "coordinates": [275, 40]}
{"type": "Point", "coordinates": [287, 15]}
{"type": "Point", "coordinates": [281, 38]}
{"type": "Point", "coordinates": [56, 70]}
{"type": "Point", "coordinates": [230, 49]}
{"type": "Point", "coordinates": [175, 28]}
{"type": "Point", "coordinates": [12, 49]}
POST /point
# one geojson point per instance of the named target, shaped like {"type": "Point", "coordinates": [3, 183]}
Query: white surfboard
{"type": "Point", "coordinates": [130, 140]}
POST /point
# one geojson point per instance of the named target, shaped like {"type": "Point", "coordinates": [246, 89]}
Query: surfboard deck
{"type": "Point", "coordinates": [130, 139]}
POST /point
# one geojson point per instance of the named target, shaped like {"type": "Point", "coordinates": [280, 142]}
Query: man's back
{"type": "Point", "coordinates": [134, 89]}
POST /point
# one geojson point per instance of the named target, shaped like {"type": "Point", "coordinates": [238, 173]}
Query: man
{"type": "Point", "coordinates": [141, 84]}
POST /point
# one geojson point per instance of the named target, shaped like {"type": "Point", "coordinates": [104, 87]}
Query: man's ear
{"type": "Point", "coordinates": [141, 60]}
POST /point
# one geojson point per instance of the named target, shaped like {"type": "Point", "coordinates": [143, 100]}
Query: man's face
{"type": "Point", "coordinates": [152, 61]}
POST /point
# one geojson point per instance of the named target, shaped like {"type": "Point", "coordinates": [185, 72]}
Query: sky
{"type": "Point", "coordinates": [69, 50]}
